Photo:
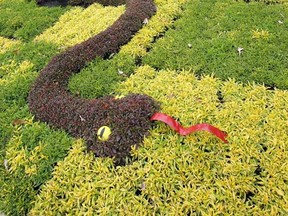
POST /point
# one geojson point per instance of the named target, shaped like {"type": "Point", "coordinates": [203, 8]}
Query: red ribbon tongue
{"type": "Point", "coordinates": [185, 131]}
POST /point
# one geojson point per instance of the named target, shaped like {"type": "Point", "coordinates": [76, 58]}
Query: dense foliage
{"type": "Point", "coordinates": [128, 117]}
{"type": "Point", "coordinates": [197, 174]}
{"type": "Point", "coordinates": [228, 39]}
{"type": "Point", "coordinates": [16, 22]}
{"type": "Point", "coordinates": [44, 171]}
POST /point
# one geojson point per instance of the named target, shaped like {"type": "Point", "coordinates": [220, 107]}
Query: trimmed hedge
{"type": "Point", "coordinates": [23, 20]}
{"type": "Point", "coordinates": [193, 175]}
{"type": "Point", "coordinates": [6, 44]}
{"type": "Point", "coordinates": [50, 101]}
{"type": "Point", "coordinates": [32, 153]}
{"type": "Point", "coordinates": [83, 3]}
{"type": "Point", "coordinates": [101, 78]}
{"type": "Point", "coordinates": [216, 30]}
{"type": "Point", "coordinates": [17, 200]}
{"type": "Point", "coordinates": [66, 32]}
{"type": "Point", "coordinates": [212, 178]}
{"type": "Point", "coordinates": [268, 2]}
{"type": "Point", "coordinates": [86, 3]}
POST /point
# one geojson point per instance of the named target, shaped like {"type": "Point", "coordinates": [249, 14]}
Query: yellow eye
{"type": "Point", "coordinates": [103, 133]}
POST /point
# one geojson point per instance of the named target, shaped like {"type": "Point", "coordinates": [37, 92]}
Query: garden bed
{"type": "Point", "coordinates": [219, 62]}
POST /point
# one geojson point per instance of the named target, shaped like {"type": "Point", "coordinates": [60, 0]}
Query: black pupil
{"type": "Point", "coordinates": [102, 132]}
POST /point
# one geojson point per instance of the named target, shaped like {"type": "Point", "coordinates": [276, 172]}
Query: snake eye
{"type": "Point", "coordinates": [103, 133]}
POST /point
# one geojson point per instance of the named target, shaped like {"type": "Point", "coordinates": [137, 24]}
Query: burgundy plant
{"type": "Point", "coordinates": [50, 100]}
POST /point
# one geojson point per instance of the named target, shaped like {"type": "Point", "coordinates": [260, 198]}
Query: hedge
{"type": "Point", "coordinates": [83, 3]}
{"type": "Point", "coordinates": [50, 101]}
{"type": "Point", "coordinates": [18, 189]}
{"type": "Point", "coordinates": [153, 183]}
{"type": "Point", "coordinates": [65, 32]}
{"type": "Point", "coordinates": [216, 32]}
{"type": "Point", "coordinates": [101, 78]}
{"type": "Point", "coordinates": [197, 174]}
{"type": "Point", "coordinates": [6, 44]}
{"type": "Point", "coordinates": [16, 21]}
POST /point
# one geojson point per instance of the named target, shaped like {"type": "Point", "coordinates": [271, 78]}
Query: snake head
{"type": "Point", "coordinates": [129, 120]}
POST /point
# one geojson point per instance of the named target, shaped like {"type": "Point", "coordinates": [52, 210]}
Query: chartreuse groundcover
{"type": "Point", "coordinates": [221, 62]}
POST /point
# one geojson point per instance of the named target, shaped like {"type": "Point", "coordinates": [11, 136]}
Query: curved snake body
{"type": "Point", "coordinates": [51, 102]}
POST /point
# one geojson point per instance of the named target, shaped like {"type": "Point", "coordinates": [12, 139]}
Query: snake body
{"type": "Point", "coordinates": [50, 100]}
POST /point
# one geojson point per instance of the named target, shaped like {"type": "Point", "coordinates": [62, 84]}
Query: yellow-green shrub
{"type": "Point", "coordinates": [18, 195]}
{"type": "Point", "coordinates": [65, 32]}
{"type": "Point", "coordinates": [260, 34]}
{"type": "Point", "coordinates": [6, 44]}
{"type": "Point", "coordinates": [79, 24]}
{"type": "Point", "coordinates": [197, 174]}
{"type": "Point", "coordinates": [30, 156]}
{"type": "Point", "coordinates": [167, 10]}
{"type": "Point", "coordinates": [11, 71]}
{"type": "Point", "coordinates": [15, 81]}
{"type": "Point", "coordinates": [129, 55]}
{"type": "Point", "coordinates": [18, 157]}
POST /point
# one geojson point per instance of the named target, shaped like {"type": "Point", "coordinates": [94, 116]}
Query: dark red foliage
{"type": "Point", "coordinates": [83, 3]}
{"type": "Point", "coordinates": [51, 102]}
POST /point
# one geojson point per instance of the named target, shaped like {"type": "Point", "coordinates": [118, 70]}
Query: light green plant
{"type": "Point", "coordinates": [167, 10]}
{"type": "Point", "coordinates": [169, 174]}
{"type": "Point", "coordinates": [258, 34]}
{"type": "Point", "coordinates": [6, 44]}
{"type": "Point", "coordinates": [29, 158]}
{"type": "Point", "coordinates": [11, 71]}
{"type": "Point", "coordinates": [17, 153]}
{"type": "Point", "coordinates": [210, 33]}
{"type": "Point", "coordinates": [65, 33]}
{"type": "Point", "coordinates": [174, 175]}
{"type": "Point", "coordinates": [92, 82]}
{"type": "Point", "coordinates": [23, 20]}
